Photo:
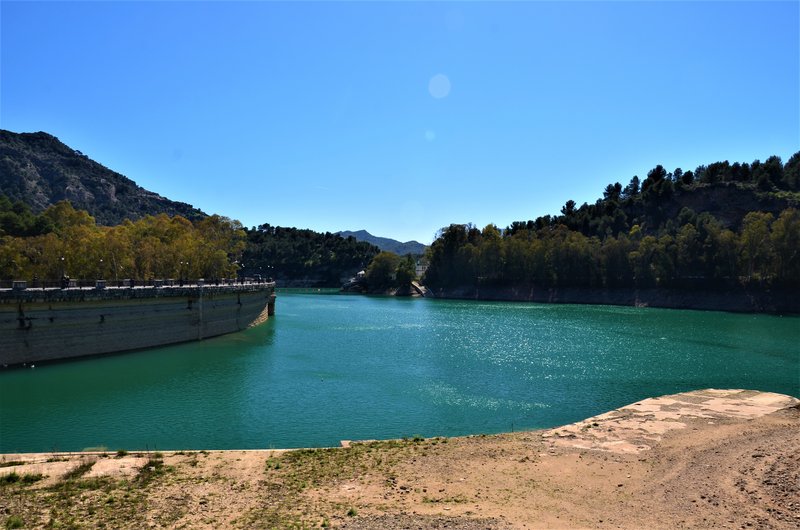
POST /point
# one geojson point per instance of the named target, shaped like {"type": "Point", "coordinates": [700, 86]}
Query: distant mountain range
{"type": "Point", "coordinates": [384, 243]}
{"type": "Point", "coordinates": [39, 170]}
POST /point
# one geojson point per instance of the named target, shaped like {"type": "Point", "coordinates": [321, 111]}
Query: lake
{"type": "Point", "coordinates": [334, 367]}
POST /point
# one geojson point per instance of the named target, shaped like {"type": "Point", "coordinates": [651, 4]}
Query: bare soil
{"type": "Point", "coordinates": [705, 459]}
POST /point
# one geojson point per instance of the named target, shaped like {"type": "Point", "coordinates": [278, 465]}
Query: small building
{"type": "Point", "coordinates": [421, 267]}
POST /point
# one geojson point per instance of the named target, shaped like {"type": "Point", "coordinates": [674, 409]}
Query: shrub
{"type": "Point", "coordinates": [14, 521]}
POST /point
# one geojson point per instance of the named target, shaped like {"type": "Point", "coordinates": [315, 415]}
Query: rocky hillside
{"type": "Point", "coordinates": [39, 170]}
{"type": "Point", "coordinates": [386, 244]}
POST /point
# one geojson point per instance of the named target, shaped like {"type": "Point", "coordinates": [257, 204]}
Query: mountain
{"type": "Point", "coordinates": [39, 170]}
{"type": "Point", "coordinates": [384, 243]}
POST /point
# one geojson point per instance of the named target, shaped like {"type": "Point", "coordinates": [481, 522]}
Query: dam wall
{"type": "Point", "coordinates": [48, 324]}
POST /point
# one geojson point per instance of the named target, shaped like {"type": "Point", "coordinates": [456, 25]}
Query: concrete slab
{"type": "Point", "coordinates": [633, 428]}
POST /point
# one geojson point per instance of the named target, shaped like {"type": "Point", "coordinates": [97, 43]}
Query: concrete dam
{"type": "Point", "coordinates": [49, 324]}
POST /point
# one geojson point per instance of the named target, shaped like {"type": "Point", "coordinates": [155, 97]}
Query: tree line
{"type": "Point", "coordinates": [63, 241]}
{"type": "Point", "coordinates": [643, 235]}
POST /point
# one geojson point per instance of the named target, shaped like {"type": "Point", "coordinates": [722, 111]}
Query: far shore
{"type": "Point", "coordinates": [741, 300]}
{"type": "Point", "coordinates": [736, 301]}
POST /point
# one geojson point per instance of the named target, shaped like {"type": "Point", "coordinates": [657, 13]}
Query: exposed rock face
{"type": "Point", "coordinates": [39, 170]}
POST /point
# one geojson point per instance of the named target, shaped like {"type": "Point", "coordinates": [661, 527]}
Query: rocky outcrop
{"type": "Point", "coordinates": [39, 170]}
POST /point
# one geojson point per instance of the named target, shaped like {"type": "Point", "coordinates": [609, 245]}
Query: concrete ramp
{"type": "Point", "coordinates": [634, 428]}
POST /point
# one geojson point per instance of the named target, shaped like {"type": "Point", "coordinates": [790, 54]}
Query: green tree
{"type": "Point", "coordinates": [791, 172]}
{"type": "Point", "coordinates": [406, 271]}
{"type": "Point", "coordinates": [689, 252]}
{"type": "Point", "coordinates": [492, 253]}
{"type": "Point", "coordinates": [381, 272]}
{"type": "Point", "coordinates": [755, 244]}
{"type": "Point", "coordinates": [616, 268]}
{"type": "Point", "coordinates": [641, 260]}
{"type": "Point", "coordinates": [785, 238]}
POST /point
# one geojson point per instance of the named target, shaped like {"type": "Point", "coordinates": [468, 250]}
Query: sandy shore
{"type": "Point", "coordinates": [704, 459]}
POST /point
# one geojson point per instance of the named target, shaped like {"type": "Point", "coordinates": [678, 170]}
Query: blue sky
{"type": "Point", "coordinates": [401, 118]}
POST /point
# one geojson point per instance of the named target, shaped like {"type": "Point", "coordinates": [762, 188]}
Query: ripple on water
{"type": "Point", "coordinates": [328, 368]}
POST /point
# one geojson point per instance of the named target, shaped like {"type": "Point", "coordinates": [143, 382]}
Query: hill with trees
{"type": "Point", "coordinates": [41, 178]}
{"type": "Point", "coordinates": [212, 247]}
{"type": "Point", "coordinates": [304, 258]}
{"type": "Point", "coordinates": [725, 227]}
{"type": "Point", "coordinates": [39, 170]}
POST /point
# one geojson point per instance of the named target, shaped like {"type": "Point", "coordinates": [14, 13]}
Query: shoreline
{"type": "Point", "coordinates": [697, 459]}
{"type": "Point", "coordinates": [777, 302]}
{"type": "Point", "coordinates": [653, 421]}
{"type": "Point", "coordinates": [718, 404]}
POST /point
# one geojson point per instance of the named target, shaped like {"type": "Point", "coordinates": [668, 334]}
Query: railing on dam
{"type": "Point", "coordinates": [128, 283]}
{"type": "Point", "coordinates": [21, 292]}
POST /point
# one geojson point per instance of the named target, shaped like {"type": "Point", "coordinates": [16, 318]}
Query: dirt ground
{"type": "Point", "coordinates": [704, 459]}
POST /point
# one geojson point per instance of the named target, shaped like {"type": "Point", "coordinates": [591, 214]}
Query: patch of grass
{"type": "Point", "coordinates": [79, 471]}
{"type": "Point", "coordinates": [316, 467]}
{"type": "Point", "coordinates": [121, 452]}
{"type": "Point", "coordinates": [352, 512]}
{"type": "Point", "coordinates": [11, 478]}
{"type": "Point", "coordinates": [11, 463]}
{"type": "Point", "coordinates": [26, 479]}
{"type": "Point", "coordinates": [84, 503]}
{"type": "Point", "coordinates": [69, 487]}
{"type": "Point", "coordinates": [30, 478]}
{"type": "Point", "coordinates": [15, 521]}
{"type": "Point", "coordinates": [153, 468]}
{"type": "Point", "coordinates": [287, 476]}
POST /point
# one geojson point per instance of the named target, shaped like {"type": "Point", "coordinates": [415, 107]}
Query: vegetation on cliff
{"type": "Point", "coordinates": [718, 226]}
{"type": "Point", "coordinates": [17, 219]}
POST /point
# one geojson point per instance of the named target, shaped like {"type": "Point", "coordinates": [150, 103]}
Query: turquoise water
{"type": "Point", "coordinates": [328, 368]}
